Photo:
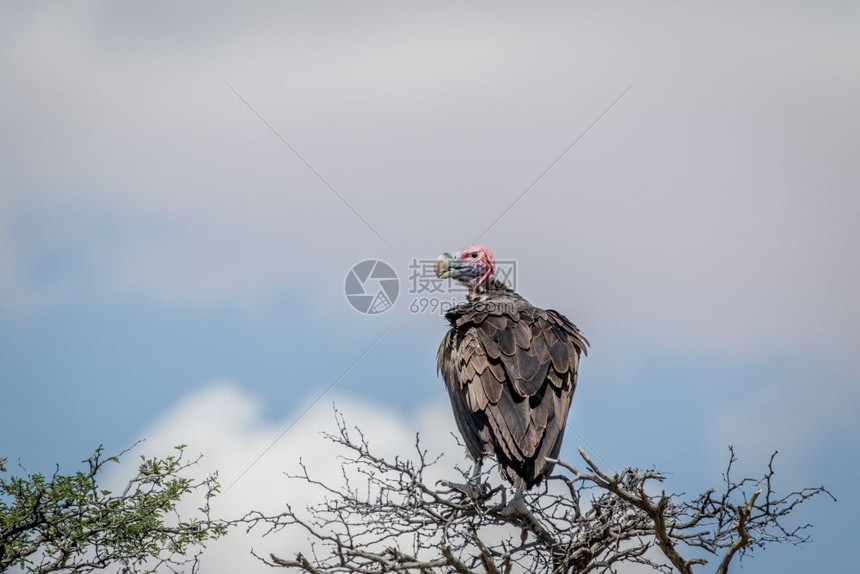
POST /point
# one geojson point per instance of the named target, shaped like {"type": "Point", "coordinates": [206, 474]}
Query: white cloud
{"type": "Point", "coordinates": [226, 425]}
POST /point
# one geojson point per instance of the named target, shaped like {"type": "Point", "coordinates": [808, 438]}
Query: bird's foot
{"type": "Point", "coordinates": [516, 508]}
{"type": "Point", "coordinates": [474, 490]}
{"type": "Point", "coordinates": [517, 512]}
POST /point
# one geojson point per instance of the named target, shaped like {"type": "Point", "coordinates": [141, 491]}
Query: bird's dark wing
{"type": "Point", "coordinates": [458, 359]}
{"type": "Point", "coordinates": [514, 374]}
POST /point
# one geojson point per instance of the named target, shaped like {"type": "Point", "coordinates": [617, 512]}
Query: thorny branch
{"type": "Point", "coordinates": [69, 523]}
{"type": "Point", "coordinates": [388, 517]}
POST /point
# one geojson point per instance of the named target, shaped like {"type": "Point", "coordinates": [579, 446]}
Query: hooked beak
{"type": "Point", "coordinates": [445, 266]}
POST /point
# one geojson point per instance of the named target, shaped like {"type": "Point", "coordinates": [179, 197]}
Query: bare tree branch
{"type": "Point", "coordinates": [387, 517]}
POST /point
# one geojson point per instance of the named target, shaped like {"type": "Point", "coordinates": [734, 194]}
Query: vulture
{"type": "Point", "coordinates": [510, 370]}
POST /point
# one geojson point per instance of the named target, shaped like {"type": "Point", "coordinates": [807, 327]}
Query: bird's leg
{"type": "Point", "coordinates": [517, 505]}
{"type": "Point", "coordinates": [517, 509]}
{"type": "Point", "coordinates": [476, 472]}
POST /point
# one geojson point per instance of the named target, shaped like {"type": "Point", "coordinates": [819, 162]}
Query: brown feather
{"type": "Point", "coordinates": [522, 334]}
{"type": "Point", "coordinates": [505, 337]}
{"type": "Point", "coordinates": [510, 370]}
{"type": "Point", "coordinates": [493, 388]}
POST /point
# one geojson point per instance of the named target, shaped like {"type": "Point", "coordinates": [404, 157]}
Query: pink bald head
{"type": "Point", "coordinates": [480, 255]}
{"type": "Point", "coordinates": [473, 266]}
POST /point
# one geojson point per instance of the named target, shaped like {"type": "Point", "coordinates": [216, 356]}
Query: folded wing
{"type": "Point", "coordinates": [511, 379]}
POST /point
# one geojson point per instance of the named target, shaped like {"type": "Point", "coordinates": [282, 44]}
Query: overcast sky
{"type": "Point", "coordinates": [171, 269]}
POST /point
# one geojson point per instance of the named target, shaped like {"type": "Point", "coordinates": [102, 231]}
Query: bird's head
{"type": "Point", "coordinates": [473, 266]}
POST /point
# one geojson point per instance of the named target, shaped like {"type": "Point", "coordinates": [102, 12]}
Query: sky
{"type": "Point", "coordinates": [184, 188]}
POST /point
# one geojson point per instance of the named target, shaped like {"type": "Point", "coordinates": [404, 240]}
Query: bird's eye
{"type": "Point", "coordinates": [474, 255]}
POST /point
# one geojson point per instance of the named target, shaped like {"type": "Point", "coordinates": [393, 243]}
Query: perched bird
{"type": "Point", "coordinates": [510, 370]}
